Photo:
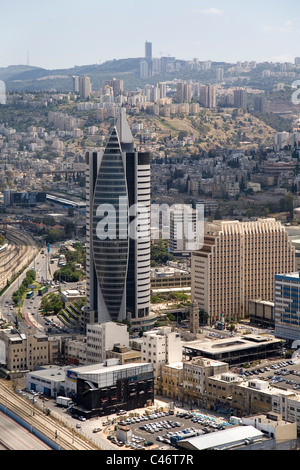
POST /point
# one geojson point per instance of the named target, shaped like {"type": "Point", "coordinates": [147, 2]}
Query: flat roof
{"type": "Point", "coordinates": [223, 439]}
{"type": "Point", "coordinates": [101, 368]}
{"type": "Point", "coordinates": [294, 275]}
{"type": "Point", "coordinates": [174, 365]}
{"type": "Point", "coordinates": [231, 344]}
{"type": "Point", "coordinates": [55, 374]}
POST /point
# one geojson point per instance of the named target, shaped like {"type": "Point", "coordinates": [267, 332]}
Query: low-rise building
{"type": "Point", "coordinates": [172, 380]}
{"type": "Point", "coordinates": [261, 312]}
{"type": "Point", "coordinates": [274, 426]}
{"type": "Point", "coordinates": [20, 352]}
{"type": "Point", "coordinates": [219, 387]}
{"type": "Point", "coordinates": [195, 376]}
{"type": "Point", "coordinates": [124, 355]}
{"type": "Point", "coordinates": [236, 351]}
{"type": "Point", "coordinates": [103, 389]}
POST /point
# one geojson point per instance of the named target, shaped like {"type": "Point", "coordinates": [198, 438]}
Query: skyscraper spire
{"type": "Point", "coordinates": [123, 129]}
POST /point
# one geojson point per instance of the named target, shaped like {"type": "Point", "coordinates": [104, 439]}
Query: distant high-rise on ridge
{"type": "Point", "coordinates": [118, 268]}
{"type": "Point", "coordinates": [85, 87]}
{"type": "Point", "coordinates": [148, 50]}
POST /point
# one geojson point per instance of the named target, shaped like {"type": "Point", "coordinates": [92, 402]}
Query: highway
{"type": "Point", "coordinates": [30, 309]}
{"type": "Point", "coordinates": [62, 436]}
{"type": "Point", "coordinates": [14, 437]}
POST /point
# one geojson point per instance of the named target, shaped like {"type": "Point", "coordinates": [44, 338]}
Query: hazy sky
{"type": "Point", "coordinates": [64, 33]}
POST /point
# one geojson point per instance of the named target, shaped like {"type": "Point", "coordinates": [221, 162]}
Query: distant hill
{"type": "Point", "coordinates": [28, 78]}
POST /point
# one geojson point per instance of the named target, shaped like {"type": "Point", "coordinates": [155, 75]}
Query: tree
{"type": "Point", "coordinates": [70, 228]}
{"type": "Point", "coordinates": [287, 204]}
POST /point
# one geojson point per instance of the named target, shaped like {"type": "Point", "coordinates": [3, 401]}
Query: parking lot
{"type": "Point", "coordinates": [163, 429]}
{"type": "Point", "coordinates": [285, 373]}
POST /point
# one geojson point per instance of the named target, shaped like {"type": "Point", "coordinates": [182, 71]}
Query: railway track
{"type": "Point", "coordinates": [62, 436]}
{"type": "Point", "coordinates": [20, 250]}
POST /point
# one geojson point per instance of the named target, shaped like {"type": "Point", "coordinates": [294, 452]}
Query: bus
{"type": "Point", "coordinates": [42, 290]}
{"type": "Point", "coordinates": [29, 295]}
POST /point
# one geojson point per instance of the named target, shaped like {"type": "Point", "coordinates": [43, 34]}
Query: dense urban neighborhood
{"type": "Point", "coordinates": [186, 336]}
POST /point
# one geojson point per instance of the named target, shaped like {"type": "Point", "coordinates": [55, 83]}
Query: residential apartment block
{"type": "Point", "coordinates": [20, 352]}
{"type": "Point", "coordinates": [161, 346]}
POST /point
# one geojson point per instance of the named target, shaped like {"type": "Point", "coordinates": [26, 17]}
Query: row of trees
{"type": "Point", "coordinates": [27, 281]}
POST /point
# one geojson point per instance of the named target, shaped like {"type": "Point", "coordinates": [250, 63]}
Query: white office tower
{"type": "Point", "coordinates": [118, 230]}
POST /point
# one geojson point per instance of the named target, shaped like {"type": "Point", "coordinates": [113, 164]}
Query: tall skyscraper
{"type": "Point", "coordinates": [118, 261]}
{"type": "Point", "coordinates": [237, 263]}
{"type": "Point", "coordinates": [148, 50]}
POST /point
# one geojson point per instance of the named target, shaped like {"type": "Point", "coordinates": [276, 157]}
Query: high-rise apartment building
{"type": "Point", "coordinates": [240, 98]}
{"type": "Point", "coordinates": [85, 87]}
{"type": "Point", "coordinates": [76, 87]}
{"type": "Point", "coordinates": [117, 85]}
{"type": "Point", "coordinates": [260, 104]}
{"type": "Point", "coordinates": [183, 92]}
{"type": "Point", "coordinates": [220, 74]}
{"type": "Point", "coordinates": [144, 69]}
{"type": "Point", "coordinates": [118, 255]}
{"type": "Point", "coordinates": [183, 229]}
{"type": "Point", "coordinates": [163, 89]}
{"type": "Point", "coordinates": [2, 92]}
{"type": "Point", "coordinates": [208, 96]}
{"type": "Point", "coordinates": [238, 262]}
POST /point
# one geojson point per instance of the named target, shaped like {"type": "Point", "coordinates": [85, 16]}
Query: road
{"type": "Point", "coordinates": [63, 436]}
{"type": "Point", "coordinates": [15, 437]}
{"type": "Point", "coordinates": [30, 309]}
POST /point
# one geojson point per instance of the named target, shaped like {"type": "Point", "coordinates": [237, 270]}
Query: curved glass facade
{"type": "Point", "coordinates": [111, 253]}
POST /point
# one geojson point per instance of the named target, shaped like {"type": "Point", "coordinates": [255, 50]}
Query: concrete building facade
{"type": "Point", "coordinates": [237, 263]}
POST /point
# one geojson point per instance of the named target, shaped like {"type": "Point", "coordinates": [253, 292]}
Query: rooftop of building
{"type": "Point", "coordinates": [53, 373]}
{"type": "Point", "coordinates": [294, 275]}
{"type": "Point", "coordinates": [235, 435]}
{"type": "Point", "coordinates": [230, 344]}
{"type": "Point", "coordinates": [106, 367]}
